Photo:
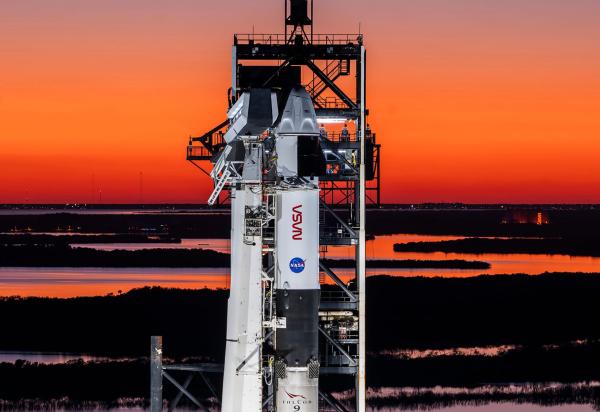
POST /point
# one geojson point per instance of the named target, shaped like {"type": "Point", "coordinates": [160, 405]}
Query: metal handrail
{"type": "Point", "coordinates": [330, 102]}
{"type": "Point", "coordinates": [279, 38]}
{"type": "Point", "coordinates": [318, 82]}
{"type": "Point", "coordinates": [336, 137]}
{"type": "Point", "coordinates": [197, 151]}
{"type": "Point", "coordinates": [336, 296]}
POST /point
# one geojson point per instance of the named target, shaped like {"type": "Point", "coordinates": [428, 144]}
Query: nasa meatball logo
{"type": "Point", "coordinates": [297, 265]}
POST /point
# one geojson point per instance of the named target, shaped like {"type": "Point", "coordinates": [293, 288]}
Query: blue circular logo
{"type": "Point", "coordinates": [296, 265]}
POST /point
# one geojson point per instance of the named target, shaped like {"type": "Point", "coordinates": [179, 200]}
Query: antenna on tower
{"type": "Point", "coordinates": [141, 187]}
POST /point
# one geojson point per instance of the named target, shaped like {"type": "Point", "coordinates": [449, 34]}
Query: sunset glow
{"type": "Point", "coordinates": [473, 101]}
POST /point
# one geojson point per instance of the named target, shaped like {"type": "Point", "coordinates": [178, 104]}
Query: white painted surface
{"type": "Point", "coordinates": [242, 391]}
{"type": "Point", "coordinates": [297, 239]}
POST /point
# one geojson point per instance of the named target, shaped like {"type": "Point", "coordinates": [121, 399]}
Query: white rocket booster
{"type": "Point", "coordinates": [243, 372]}
{"type": "Point", "coordinates": [242, 386]}
{"type": "Point", "coordinates": [296, 251]}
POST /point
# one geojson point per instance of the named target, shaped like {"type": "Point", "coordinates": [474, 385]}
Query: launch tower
{"type": "Point", "coordinates": [299, 164]}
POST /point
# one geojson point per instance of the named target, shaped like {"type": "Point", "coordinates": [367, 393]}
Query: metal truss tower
{"type": "Point", "coordinates": [332, 68]}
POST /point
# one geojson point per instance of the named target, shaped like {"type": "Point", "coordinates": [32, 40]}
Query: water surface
{"type": "Point", "coordinates": [49, 357]}
{"type": "Point", "coordinates": [382, 247]}
{"type": "Point", "coordinates": [501, 407]}
{"type": "Point", "coordinates": [492, 407]}
{"type": "Point", "coordinates": [69, 282]}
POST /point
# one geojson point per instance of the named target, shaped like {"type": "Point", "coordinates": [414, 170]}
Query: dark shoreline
{"type": "Point", "coordinates": [403, 312]}
{"type": "Point", "coordinates": [441, 381]}
{"type": "Point", "coordinates": [588, 246]}
{"type": "Point", "coordinates": [485, 220]}
{"type": "Point", "coordinates": [63, 255]}
{"type": "Point", "coordinates": [411, 264]}
{"type": "Point", "coordinates": [62, 238]}
{"type": "Point", "coordinates": [414, 313]}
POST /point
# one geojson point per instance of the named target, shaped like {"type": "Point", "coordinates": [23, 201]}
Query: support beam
{"type": "Point", "coordinates": [156, 387]}
{"type": "Point", "coordinates": [334, 88]}
{"type": "Point", "coordinates": [173, 404]}
{"type": "Point", "coordinates": [245, 361]}
{"type": "Point", "coordinates": [185, 392]}
{"type": "Point", "coordinates": [208, 135]}
{"type": "Point", "coordinates": [269, 399]}
{"type": "Point", "coordinates": [331, 401]}
{"type": "Point", "coordinates": [276, 73]}
{"type": "Point", "coordinates": [339, 219]}
{"type": "Point", "coordinates": [337, 281]}
{"type": "Point", "coordinates": [362, 283]}
{"type": "Point", "coordinates": [202, 367]}
{"type": "Point", "coordinates": [338, 346]}
{"type": "Point", "coordinates": [200, 167]}
{"type": "Point", "coordinates": [209, 385]}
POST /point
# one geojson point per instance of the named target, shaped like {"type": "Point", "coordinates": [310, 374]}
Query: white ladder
{"type": "Point", "coordinates": [219, 186]}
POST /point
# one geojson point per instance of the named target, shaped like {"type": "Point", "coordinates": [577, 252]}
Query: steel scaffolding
{"type": "Point", "coordinates": [324, 64]}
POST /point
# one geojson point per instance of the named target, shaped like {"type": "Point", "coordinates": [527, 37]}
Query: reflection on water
{"type": "Point", "coordinates": [502, 407]}
{"type": "Point", "coordinates": [219, 245]}
{"type": "Point", "coordinates": [547, 397]}
{"type": "Point", "coordinates": [49, 357]}
{"type": "Point", "coordinates": [513, 389]}
{"type": "Point", "coordinates": [431, 353]}
{"type": "Point", "coordinates": [382, 247]}
{"type": "Point", "coordinates": [58, 233]}
{"type": "Point", "coordinates": [113, 211]}
{"type": "Point", "coordinates": [497, 350]}
{"type": "Point", "coordinates": [492, 407]}
{"type": "Point", "coordinates": [68, 282]}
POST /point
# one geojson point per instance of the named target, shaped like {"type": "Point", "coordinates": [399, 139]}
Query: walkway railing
{"type": "Point", "coordinates": [279, 38]}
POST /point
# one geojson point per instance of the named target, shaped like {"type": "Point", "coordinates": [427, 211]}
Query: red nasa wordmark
{"type": "Point", "coordinates": [297, 219]}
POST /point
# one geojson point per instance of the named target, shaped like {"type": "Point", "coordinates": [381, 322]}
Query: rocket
{"type": "Point", "coordinates": [264, 137]}
{"type": "Point", "coordinates": [272, 156]}
{"type": "Point", "coordinates": [297, 259]}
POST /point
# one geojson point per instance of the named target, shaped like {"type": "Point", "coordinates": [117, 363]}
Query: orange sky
{"type": "Point", "coordinates": [473, 100]}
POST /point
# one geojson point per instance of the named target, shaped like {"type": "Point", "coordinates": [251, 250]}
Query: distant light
{"type": "Point", "coordinates": [331, 120]}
